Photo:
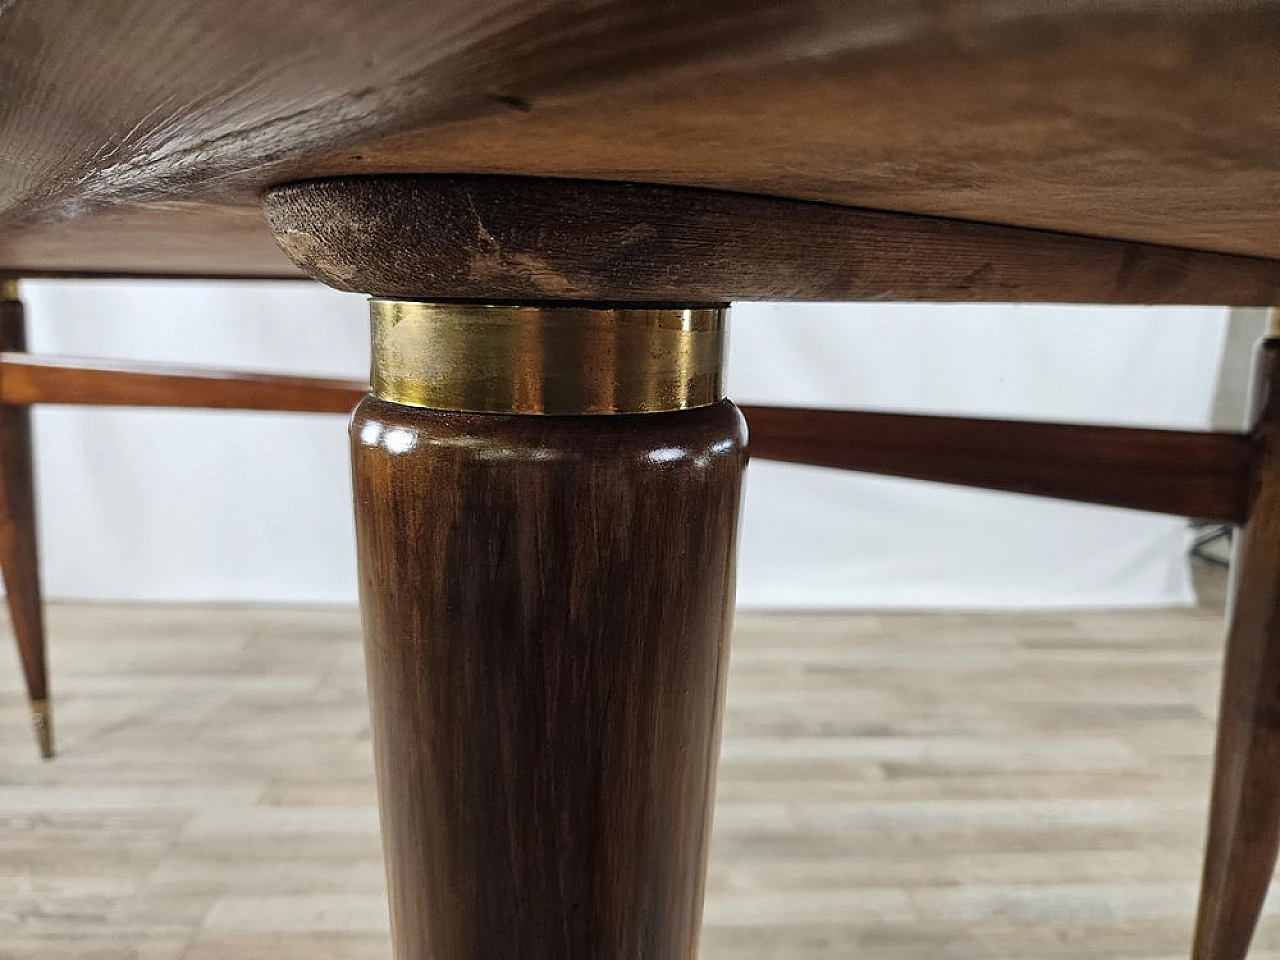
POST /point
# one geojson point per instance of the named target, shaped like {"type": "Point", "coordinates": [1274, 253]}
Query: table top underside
{"type": "Point", "coordinates": [136, 136]}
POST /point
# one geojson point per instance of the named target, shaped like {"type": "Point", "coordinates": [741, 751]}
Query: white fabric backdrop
{"type": "Point", "coordinates": [817, 538]}
{"type": "Point", "coordinates": [228, 506]}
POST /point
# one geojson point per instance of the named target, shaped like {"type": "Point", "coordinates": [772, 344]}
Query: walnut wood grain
{"type": "Point", "coordinates": [170, 241]}
{"type": "Point", "coordinates": [525, 239]}
{"type": "Point", "coordinates": [1137, 121]}
{"type": "Point", "coordinates": [1244, 814]}
{"type": "Point", "coordinates": [19, 553]}
{"type": "Point", "coordinates": [1189, 474]}
{"type": "Point", "coordinates": [546, 607]}
{"type": "Point", "coordinates": [29, 379]}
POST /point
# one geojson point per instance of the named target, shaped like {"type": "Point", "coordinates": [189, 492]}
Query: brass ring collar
{"type": "Point", "coordinates": [561, 360]}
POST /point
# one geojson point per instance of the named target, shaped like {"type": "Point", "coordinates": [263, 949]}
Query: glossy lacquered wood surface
{"type": "Point", "coordinates": [1244, 817]}
{"type": "Point", "coordinates": [546, 610]}
{"type": "Point", "coordinates": [19, 553]}
{"type": "Point", "coordinates": [529, 239]}
{"type": "Point", "coordinates": [138, 133]}
{"type": "Point", "coordinates": [1189, 474]}
{"type": "Point", "coordinates": [83, 381]}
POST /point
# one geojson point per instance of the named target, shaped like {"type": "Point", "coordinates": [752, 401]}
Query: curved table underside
{"type": "Point", "coordinates": [137, 135]}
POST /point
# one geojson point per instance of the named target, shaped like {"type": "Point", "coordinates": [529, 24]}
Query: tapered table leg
{"type": "Point", "coordinates": [1244, 818]}
{"type": "Point", "coordinates": [546, 505]}
{"type": "Point", "coordinates": [19, 558]}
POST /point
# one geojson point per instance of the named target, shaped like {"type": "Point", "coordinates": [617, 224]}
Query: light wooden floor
{"type": "Point", "coordinates": [895, 786]}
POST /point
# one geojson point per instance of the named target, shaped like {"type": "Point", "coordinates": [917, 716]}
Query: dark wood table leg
{"type": "Point", "coordinates": [19, 557]}
{"type": "Point", "coordinates": [1244, 818]}
{"type": "Point", "coordinates": [547, 594]}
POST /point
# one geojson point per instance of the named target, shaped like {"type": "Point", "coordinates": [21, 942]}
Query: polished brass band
{"type": "Point", "coordinates": [8, 288]}
{"type": "Point", "coordinates": [546, 360]}
{"type": "Point", "coordinates": [1273, 323]}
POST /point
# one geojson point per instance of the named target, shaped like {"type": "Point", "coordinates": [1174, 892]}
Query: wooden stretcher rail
{"type": "Point", "coordinates": [1194, 474]}
{"type": "Point", "coordinates": [1201, 475]}
{"type": "Point", "coordinates": [28, 379]}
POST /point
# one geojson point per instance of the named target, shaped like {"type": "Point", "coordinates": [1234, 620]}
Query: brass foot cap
{"type": "Point", "coordinates": [42, 724]}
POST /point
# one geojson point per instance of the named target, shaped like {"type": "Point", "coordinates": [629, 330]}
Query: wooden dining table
{"type": "Point", "coordinates": [551, 204]}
